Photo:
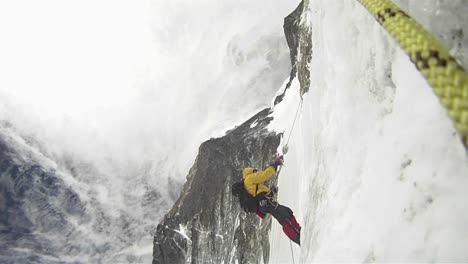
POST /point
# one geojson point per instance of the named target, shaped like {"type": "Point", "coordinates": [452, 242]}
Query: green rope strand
{"type": "Point", "coordinates": [448, 78]}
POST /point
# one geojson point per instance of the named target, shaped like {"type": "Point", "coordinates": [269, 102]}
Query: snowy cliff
{"type": "Point", "coordinates": [380, 168]}
{"type": "Point", "coordinates": [206, 224]}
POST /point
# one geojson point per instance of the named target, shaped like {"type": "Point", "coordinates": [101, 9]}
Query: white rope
{"type": "Point", "coordinates": [285, 150]}
{"type": "Point", "coordinates": [285, 147]}
{"type": "Point", "coordinates": [294, 122]}
{"type": "Point", "coordinates": [292, 254]}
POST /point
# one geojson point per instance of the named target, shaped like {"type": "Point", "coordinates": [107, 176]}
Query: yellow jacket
{"type": "Point", "coordinates": [252, 179]}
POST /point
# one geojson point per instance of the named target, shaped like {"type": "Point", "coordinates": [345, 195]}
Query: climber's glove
{"type": "Point", "coordinates": [277, 162]}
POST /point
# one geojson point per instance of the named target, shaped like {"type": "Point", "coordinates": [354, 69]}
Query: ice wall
{"type": "Point", "coordinates": [375, 170]}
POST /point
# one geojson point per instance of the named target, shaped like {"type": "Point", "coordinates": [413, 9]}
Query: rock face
{"type": "Point", "coordinates": [299, 37]}
{"type": "Point", "coordinates": [206, 225]}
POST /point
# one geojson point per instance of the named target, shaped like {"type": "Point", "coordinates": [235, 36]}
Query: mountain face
{"type": "Point", "coordinates": [43, 217]}
{"type": "Point", "coordinates": [206, 225]}
{"type": "Point", "coordinates": [299, 38]}
{"type": "Point", "coordinates": [34, 205]}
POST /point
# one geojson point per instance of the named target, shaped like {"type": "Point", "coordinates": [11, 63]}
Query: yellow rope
{"type": "Point", "coordinates": [448, 78]}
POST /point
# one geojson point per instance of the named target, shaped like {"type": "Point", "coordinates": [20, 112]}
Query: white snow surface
{"type": "Point", "coordinates": [375, 171]}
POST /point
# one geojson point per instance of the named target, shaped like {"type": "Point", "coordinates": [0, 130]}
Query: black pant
{"type": "Point", "coordinates": [268, 204]}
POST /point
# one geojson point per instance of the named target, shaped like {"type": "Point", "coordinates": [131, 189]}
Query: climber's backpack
{"type": "Point", "coordinates": [246, 201]}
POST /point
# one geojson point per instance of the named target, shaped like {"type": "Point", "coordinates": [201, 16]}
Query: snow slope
{"type": "Point", "coordinates": [375, 171]}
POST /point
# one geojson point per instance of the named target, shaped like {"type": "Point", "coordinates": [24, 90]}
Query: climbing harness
{"type": "Point", "coordinates": [448, 78]}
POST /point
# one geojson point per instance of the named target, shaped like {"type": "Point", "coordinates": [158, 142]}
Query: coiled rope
{"type": "Point", "coordinates": [448, 78]}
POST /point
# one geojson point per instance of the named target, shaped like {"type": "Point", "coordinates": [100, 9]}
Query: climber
{"type": "Point", "coordinates": [253, 183]}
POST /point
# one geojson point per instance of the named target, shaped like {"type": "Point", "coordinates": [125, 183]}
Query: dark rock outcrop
{"type": "Point", "coordinates": [206, 224]}
{"type": "Point", "coordinates": [299, 37]}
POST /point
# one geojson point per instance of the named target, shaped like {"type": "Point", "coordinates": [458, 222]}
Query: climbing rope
{"type": "Point", "coordinates": [448, 78]}
{"type": "Point", "coordinates": [292, 254]}
{"type": "Point", "coordinates": [285, 147]}
{"type": "Point", "coordinates": [292, 127]}
{"type": "Point", "coordinates": [285, 150]}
